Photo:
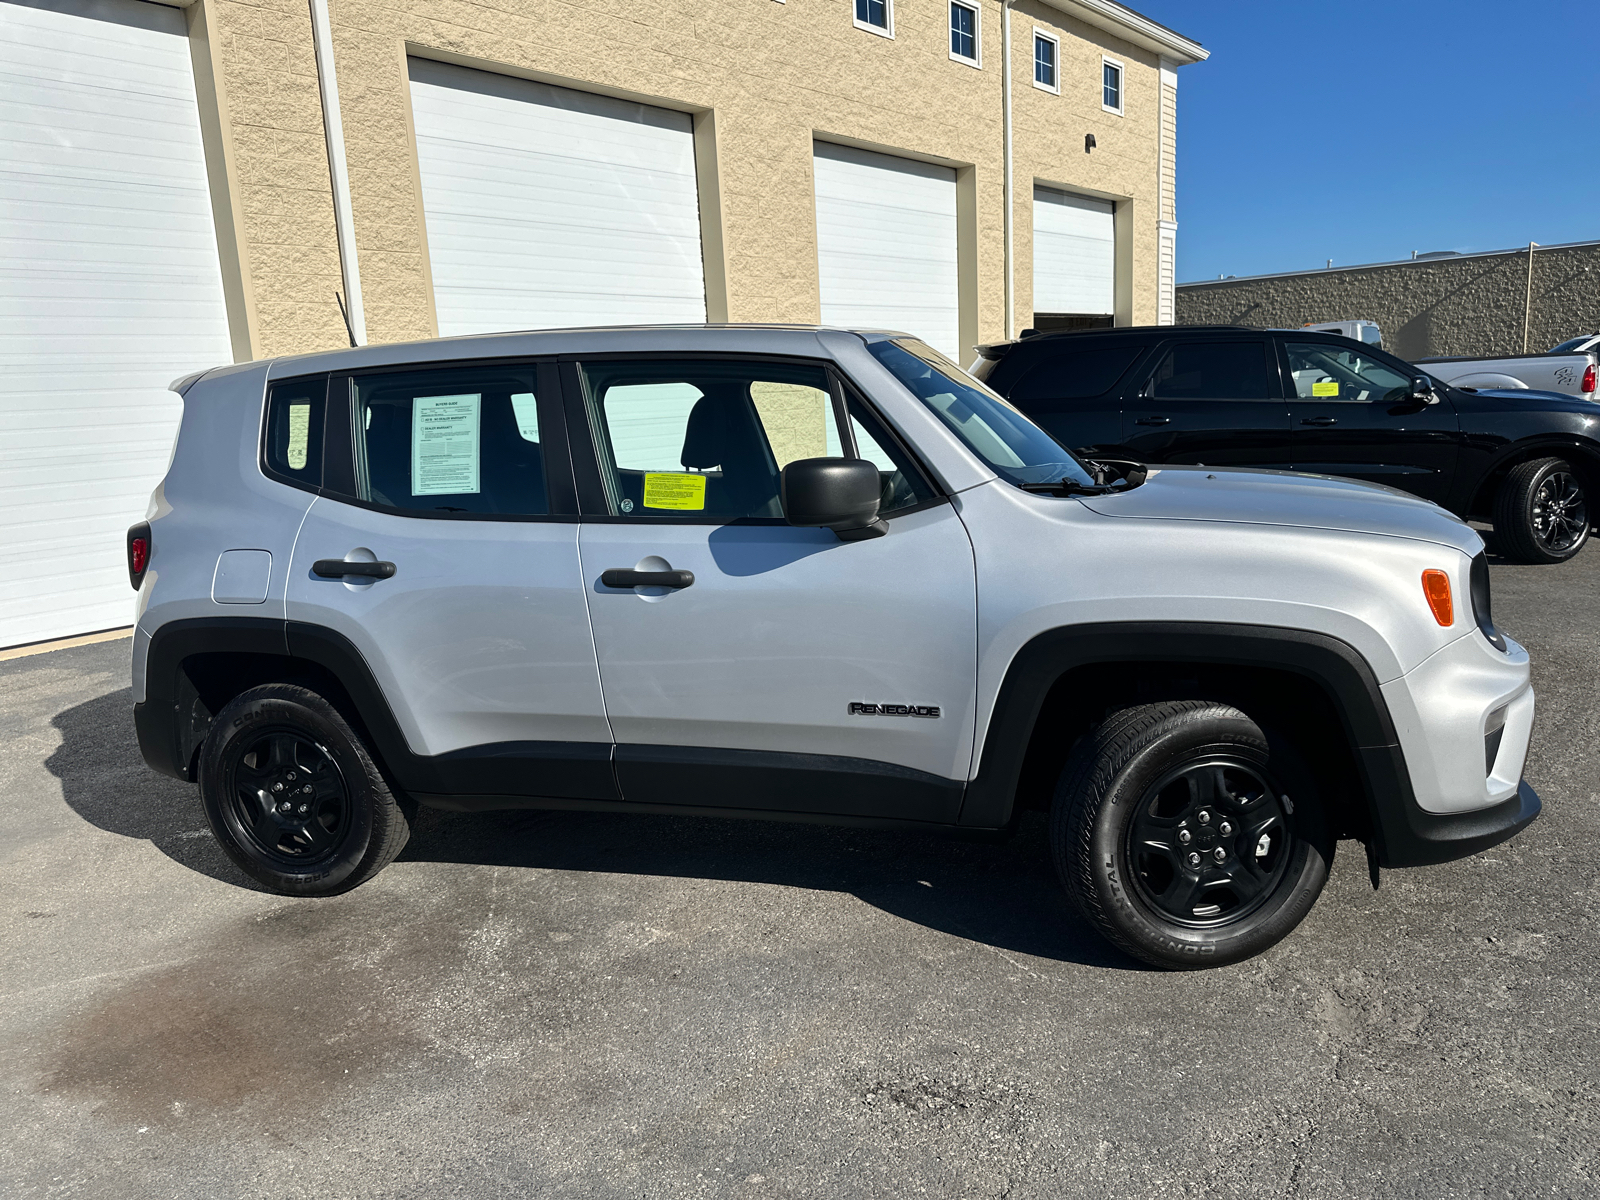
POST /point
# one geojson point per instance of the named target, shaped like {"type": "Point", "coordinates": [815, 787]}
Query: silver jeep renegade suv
{"type": "Point", "coordinates": [813, 574]}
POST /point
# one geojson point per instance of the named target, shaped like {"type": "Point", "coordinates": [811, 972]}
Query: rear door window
{"type": "Point", "coordinates": [1212, 371]}
{"type": "Point", "coordinates": [450, 443]}
{"type": "Point", "coordinates": [1075, 374]}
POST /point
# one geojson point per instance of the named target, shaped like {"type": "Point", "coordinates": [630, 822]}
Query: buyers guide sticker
{"type": "Point", "coordinates": [1325, 387]}
{"type": "Point", "coordinates": [686, 493]}
{"type": "Point", "coordinates": [444, 445]}
{"type": "Point", "coordinates": [299, 435]}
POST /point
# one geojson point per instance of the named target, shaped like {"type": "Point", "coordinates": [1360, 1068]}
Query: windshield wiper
{"type": "Point", "coordinates": [1108, 475]}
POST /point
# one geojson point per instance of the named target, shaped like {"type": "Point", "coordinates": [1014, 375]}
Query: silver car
{"type": "Point", "coordinates": [811, 574]}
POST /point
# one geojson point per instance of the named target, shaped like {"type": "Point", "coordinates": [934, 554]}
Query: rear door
{"type": "Point", "coordinates": [458, 477]}
{"type": "Point", "coordinates": [1354, 415]}
{"type": "Point", "coordinates": [1074, 390]}
{"type": "Point", "coordinates": [1212, 401]}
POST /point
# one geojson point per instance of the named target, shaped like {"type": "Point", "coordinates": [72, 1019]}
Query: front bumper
{"type": "Point", "coordinates": [1463, 720]}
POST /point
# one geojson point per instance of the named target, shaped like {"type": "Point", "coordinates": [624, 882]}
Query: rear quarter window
{"type": "Point", "coordinates": [293, 451]}
{"type": "Point", "coordinates": [1075, 374]}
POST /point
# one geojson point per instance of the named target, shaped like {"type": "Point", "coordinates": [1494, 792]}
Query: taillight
{"type": "Point", "coordinates": [1436, 587]}
{"type": "Point", "coordinates": [138, 553]}
{"type": "Point", "coordinates": [1588, 378]}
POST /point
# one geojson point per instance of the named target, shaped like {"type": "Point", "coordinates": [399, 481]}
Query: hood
{"type": "Point", "coordinates": [1249, 497]}
{"type": "Point", "coordinates": [1531, 396]}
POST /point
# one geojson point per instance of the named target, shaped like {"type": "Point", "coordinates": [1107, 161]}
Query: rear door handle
{"type": "Point", "coordinates": [1319, 420]}
{"type": "Point", "coordinates": [1153, 421]}
{"type": "Point", "coordinates": [338, 568]}
{"type": "Point", "coordinates": [627, 577]}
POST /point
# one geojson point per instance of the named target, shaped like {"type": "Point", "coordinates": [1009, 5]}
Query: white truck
{"type": "Point", "coordinates": [1569, 368]}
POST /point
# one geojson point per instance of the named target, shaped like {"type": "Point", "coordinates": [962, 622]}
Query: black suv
{"type": "Point", "coordinates": [1315, 402]}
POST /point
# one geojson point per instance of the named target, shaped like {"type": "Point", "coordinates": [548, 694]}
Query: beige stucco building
{"type": "Point", "coordinates": [760, 81]}
{"type": "Point", "coordinates": [189, 184]}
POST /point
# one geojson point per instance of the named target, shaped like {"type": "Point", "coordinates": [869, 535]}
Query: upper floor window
{"type": "Point", "coordinates": [964, 32]}
{"type": "Point", "coordinates": [1111, 85]}
{"type": "Point", "coordinates": [1046, 54]}
{"type": "Point", "coordinates": [875, 16]}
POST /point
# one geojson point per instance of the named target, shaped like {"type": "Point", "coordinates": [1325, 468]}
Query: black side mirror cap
{"type": "Point", "coordinates": [841, 494]}
{"type": "Point", "coordinates": [1422, 389]}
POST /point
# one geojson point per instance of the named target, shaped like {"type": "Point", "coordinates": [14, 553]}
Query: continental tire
{"type": "Point", "coordinates": [1541, 512]}
{"type": "Point", "coordinates": [1187, 836]}
{"type": "Point", "coordinates": [293, 796]}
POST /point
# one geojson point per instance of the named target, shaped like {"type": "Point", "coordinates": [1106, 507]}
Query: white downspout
{"type": "Point", "coordinates": [333, 128]}
{"type": "Point", "coordinates": [1005, 123]}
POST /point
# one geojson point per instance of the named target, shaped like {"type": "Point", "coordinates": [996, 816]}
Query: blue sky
{"type": "Point", "coordinates": [1363, 131]}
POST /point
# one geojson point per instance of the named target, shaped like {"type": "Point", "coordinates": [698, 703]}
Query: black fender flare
{"type": "Point", "coordinates": [1403, 834]}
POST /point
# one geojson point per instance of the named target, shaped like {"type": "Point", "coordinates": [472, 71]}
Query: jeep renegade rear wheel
{"type": "Point", "coordinates": [1187, 836]}
{"type": "Point", "coordinates": [293, 796]}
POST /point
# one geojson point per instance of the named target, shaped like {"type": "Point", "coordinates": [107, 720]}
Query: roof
{"type": "Point", "coordinates": [801, 340]}
{"type": "Point", "coordinates": [1134, 27]}
{"type": "Point", "coordinates": [1398, 262]}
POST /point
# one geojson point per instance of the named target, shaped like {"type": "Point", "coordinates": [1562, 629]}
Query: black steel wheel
{"type": "Point", "coordinates": [293, 795]}
{"type": "Point", "coordinates": [1187, 836]}
{"type": "Point", "coordinates": [285, 796]}
{"type": "Point", "coordinates": [1541, 512]}
{"type": "Point", "coordinates": [1208, 842]}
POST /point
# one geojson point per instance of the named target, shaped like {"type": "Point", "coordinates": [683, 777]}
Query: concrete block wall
{"type": "Point", "coordinates": [1466, 305]}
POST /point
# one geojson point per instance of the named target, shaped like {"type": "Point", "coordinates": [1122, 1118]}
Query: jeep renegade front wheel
{"type": "Point", "coordinates": [294, 797]}
{"type": "Point", "coordinates": [1187, 836]}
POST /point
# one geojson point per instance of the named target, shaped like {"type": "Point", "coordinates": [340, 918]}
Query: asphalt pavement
{"type": "Point", "coordinates": [559, 1004]}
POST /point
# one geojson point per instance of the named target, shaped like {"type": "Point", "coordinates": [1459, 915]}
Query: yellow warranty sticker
{"type": "Point", "coordinates": [682, 492]}
{"type": "Point", "coordinates": [299, 436]}
{"type": "Point", "coordinates": [1325, 387]}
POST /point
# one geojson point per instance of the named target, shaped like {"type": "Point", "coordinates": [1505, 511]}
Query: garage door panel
{"type": "Point", "coordinates": [548, 207]}
{"type": "Point", "coordinates": [110, 289]}
{"type": "Point", "coordinates": [1074, 253]}
{"type": "Point", "coordinates": [886, 244]}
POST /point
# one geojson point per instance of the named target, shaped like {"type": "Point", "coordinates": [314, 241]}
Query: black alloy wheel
{"type": "Point", "coordinates": [286, 796]}
{"type": "Point", "coordinates": [1188, 836]}
{"type": "Point", "coordinates": [294, 796]}
{"type": "Point", "coordinates": [1541, 512]}
{"type": "Point", "coordinates": [1208, 842]}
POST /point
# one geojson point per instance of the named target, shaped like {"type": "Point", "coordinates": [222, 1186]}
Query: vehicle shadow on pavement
{"type": "Point", "coordinates": [1003, 894]}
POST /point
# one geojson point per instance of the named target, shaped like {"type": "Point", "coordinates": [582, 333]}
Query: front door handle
{"type": "Point", "coordinates": [1319, 420]}
{"type": "Point", "coordinates": [338, 568]}
{"type": "Point", "coordinates": [1153, 421]}
{"type": "Point", "coordinates": [627, 577]}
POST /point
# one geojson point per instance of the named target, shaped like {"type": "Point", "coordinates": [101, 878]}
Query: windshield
{"type": "Point", "coordinates": [1017, 449]}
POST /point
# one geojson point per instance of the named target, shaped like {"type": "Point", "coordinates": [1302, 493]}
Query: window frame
{"type": "Point", "coordinates": [1044, 35]}
{"type": "Point", "coordinates": [886, 30]}
{"type": "Point", "coordinates": [594, 502]}
{"type": "Point", "coordinates": [1122, 85]}
{"type": "Point", "coordinates": [262, 459]}
{"type": "Point", "coordinates": [976, 61]}
{"type": "Point", "coordinates": [339, 468]}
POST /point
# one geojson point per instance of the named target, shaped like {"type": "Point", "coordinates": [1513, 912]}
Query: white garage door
{"type": "Point", "coordinates": [109, 288]}
{"type": "Point", "coordinates": [1074, 254]}
{"type": "Point", "coordinates": [886, 244]}
{"type": "Point", "coordinates": [548, 207]}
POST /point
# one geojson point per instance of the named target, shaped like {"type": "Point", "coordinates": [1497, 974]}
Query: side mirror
{"type": "Point", "coordinates": [841, 494]}
{"type": "Point", "coordinates": [1422, 389]}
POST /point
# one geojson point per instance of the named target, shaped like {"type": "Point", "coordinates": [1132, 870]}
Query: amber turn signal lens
{"type": "Point", "coordinates": [1436, 587]}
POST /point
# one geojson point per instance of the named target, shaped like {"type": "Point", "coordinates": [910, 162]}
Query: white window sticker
{"type": "Point", "coordinates": [444, 445]}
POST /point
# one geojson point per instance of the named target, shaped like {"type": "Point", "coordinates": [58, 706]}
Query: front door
{"type": "Point", "coordinates": [1211, 402]}
{"type": "Point", "coordinates": [1354, 415]}
{"type": "Point", "coordinates": [479, 638]}
{"type": "Point", "coordinates": [777, 668]}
